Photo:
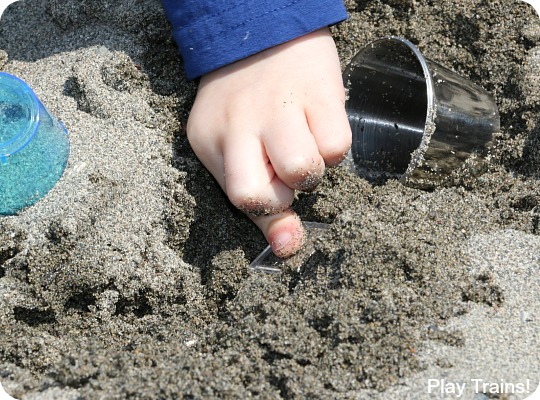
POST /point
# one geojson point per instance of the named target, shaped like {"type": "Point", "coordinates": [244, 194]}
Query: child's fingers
{"type": "Point", "coordinates": [250, 181]}
{"type": "Point", "coordinates": [283, 231]}
{"type": "Point", "coordinates": [243, 177]}
{"type": "Point", "coordinates": [293, 152]}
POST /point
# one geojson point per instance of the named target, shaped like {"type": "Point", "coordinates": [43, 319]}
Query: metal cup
{"type": "Point", "coordinates": [414, 119]}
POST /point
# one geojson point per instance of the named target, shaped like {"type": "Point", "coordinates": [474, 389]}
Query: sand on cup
{"type": "Point", "coordinates": [34, 146]}
{"type": "Point", "coordinates": [414, 119]}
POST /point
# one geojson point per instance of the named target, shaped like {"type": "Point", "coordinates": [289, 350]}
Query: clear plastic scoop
{"type": "Point", "coordinates": [268, 262]}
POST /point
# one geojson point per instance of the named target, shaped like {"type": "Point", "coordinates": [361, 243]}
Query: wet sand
{"type": "Point", "coordinates": [130, 279]}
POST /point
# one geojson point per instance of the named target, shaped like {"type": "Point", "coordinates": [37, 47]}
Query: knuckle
{"type": "Point", "coordinates": [251, 202]}
{"type": "Point", "coordinates": [335, 150]}
{"type": "Point", "coordinates": [305, 173]}
{"type": "Point", "coordinates": [248, 201]}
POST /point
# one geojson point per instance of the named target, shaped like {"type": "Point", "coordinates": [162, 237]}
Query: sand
{"type": "Point", "coordinates": [130, 279]}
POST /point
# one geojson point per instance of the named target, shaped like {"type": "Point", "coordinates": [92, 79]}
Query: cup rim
{"type": "Point", "coordinates": [31, 102]}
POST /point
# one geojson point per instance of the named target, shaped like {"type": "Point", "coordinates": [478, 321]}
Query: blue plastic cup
{"type": "Point", "coordinates": [34, 146]}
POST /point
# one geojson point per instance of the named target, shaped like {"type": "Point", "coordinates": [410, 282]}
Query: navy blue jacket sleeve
{"type": "Point", "coordinates": [214, 33]}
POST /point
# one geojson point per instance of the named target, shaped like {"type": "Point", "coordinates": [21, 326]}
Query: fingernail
{"type": "Point", "coordinates": [281, 240]}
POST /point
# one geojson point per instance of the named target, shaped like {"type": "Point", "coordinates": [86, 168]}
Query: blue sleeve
{"type": "Point", "coordinates": [211, 34]}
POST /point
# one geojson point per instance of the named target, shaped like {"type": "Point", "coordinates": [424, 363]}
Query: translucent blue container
{"type": "Point", "coordinates": [34, 146]}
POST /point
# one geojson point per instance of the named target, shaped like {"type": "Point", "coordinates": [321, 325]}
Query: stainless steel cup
{"type": "Point", "coordinates": [414, 119]}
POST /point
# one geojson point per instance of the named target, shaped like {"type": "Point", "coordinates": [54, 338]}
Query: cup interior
{"type": "Point", "coordinates": [388, 98]}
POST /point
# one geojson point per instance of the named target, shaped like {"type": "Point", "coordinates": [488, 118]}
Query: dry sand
{"type": "Point", "coordinates": [130, 279]}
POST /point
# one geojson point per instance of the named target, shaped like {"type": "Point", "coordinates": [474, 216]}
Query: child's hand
{"type": "Point", "coordinates": [267, 125]}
